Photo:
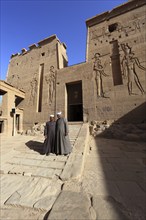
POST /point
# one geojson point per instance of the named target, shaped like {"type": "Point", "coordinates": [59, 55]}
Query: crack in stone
{"type": "Point", "coordinates": [91, 209]}
{"type": "Point", "coordinates": [91, 200]}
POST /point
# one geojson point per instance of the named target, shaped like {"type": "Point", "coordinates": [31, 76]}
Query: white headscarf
{"type": "Point", "coordinates": [59, 113]}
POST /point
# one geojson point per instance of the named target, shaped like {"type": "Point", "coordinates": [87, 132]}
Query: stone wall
{"type": "Point", "coordinates": [116, 46]}
{"type": "Point", "coordinates": [34, 72]}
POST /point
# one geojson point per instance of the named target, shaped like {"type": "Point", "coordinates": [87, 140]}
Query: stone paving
{"type": "Point", "coordinates": [29, 162]}
{"type": "Point", "coordinates": [111, 187]}
{"type": "Point", "coordinates": [115, 178]}
{"type": "Point", "coordinates": [30, 179]}
{"type": "Point", "coordinates": [27, 159]}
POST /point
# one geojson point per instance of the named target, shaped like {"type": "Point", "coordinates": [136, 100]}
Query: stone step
{"type": "Point", "coordinates": [27, 161]}
{"type": "Point", "coordinates": [74, 129]}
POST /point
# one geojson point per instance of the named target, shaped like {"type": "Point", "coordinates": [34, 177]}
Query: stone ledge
{"type": "Point", "coordinates": [75, 163]}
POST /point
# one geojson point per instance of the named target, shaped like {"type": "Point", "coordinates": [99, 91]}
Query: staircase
{"type": "Point", "coordinates": [74, 129]}
{"type": "Point", "coordinates": [26, 158]}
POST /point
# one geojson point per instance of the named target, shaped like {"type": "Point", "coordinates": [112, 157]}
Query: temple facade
{"type": "Point", "coordinates": [110, 84]}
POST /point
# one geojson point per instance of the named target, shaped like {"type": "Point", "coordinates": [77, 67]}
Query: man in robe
{"type": "Point", "coordinates": [62, 142]}
{"type": "Point", "coordinates": [49, 134]}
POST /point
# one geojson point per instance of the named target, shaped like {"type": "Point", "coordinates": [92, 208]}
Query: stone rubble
{"type": "Point", "coordinates": [37, 129]}
{"type": "Point", "coordinates": [111, 129]}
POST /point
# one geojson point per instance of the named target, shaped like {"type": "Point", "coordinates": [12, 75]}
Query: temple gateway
{"type": "Point", "coordinates": [109, 85]}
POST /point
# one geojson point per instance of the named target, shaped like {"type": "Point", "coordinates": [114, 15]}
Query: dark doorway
{"type": "Point", "coordinates": [1, 126]}
{"type": "Point", "coordinates": [74, 101]}
{"type": "Point", "coordinates": [17, 122]}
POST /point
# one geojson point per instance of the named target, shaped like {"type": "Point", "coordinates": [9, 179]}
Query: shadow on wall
{"type": "Point", "coordinates": [130, 127]}
{"type": "Point", "coordinates": [36, 146]}
{"type": "Point", "coordinates": [137, 115]}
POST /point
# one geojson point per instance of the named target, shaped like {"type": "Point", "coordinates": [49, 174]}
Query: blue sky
{"type": "Point", "coordinates": [26, 22]}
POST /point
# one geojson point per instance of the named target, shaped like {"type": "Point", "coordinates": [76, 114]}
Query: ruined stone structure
{"type": "Point", "coordinates": [11, 116]}
{"type": "Point", "coordinates": [109, 85]}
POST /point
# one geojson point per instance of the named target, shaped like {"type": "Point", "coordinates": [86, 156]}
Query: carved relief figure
{"type": "Point", "coordinates": [129, 63]}
{"type": "Point", "coordinates": [98, 69]}
{"type": "Point", "coordinates": [50, 79]}
{"type": "Point", "coordinates": [136, 24]}
{"type": "Point", "coordinates": [33, 90]}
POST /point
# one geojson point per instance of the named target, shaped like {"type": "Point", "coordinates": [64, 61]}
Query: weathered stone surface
{"type": "Point", "coordinates": [73, 185]}
{"type": "Point", "coordinates": [118, 191]}
{"type": "Point", "coordinates": [134, 206]}
{"type": "Point", "coordinates": [10, 184]}
{"type": "Point", "coordinates": [96, 186]}
{"type": "Point", "coordinates": [38, 190]}
{"type": "Point", "coordinates": [46, 203]}
{"type": "Point", "coordinates": [19, 213]}
{"type": "Point", "coordinates": [52, 164]}
{"type": "Point", "coordinates": [44, 172]}
{"type": "Point", "coordinates": [26, 161]}
{"type": "Point", "coordinates": [21, 195]}
{"type": "Point", "coordinates": [71, 205]}
{"type": "Point", "coordinates": [112, 186]}
{"type": "Point", "coordinates": [132, 137]}
{"type": "Point", "coordinates": [142, 126]}
{"type": "Point", "coordinates": [128, 188]}
{"type": "Point", "coordinates": [142, 137]}
{"type": "Point", "coordinates": [107, 207]}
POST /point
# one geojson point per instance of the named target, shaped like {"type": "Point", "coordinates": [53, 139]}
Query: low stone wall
{"type": "Point", "coordinates": [75, 163]}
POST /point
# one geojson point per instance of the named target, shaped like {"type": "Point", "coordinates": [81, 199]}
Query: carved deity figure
{"type": "Point", "coordinates": [129, 64]}
{"type": "Point", "coordinates": [136, 24]}
{"type": "Point", "coordinates": [98, 69]}
{"type": "Point", "coordinates": [50, 79]}
{"type": "Point", "coordinates": [33, 90]}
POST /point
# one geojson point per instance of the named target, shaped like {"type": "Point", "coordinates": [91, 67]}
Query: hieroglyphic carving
{"type": "Point", "coordinates": [98, 34]}
{"type": "Point", "coordinates": [98, 70]}
{"type": "Point", "coordinates": [130, 28]}
{"type": "Point", "coordinates": [50, 79]}
{"type": "Point", "coordinates": [33, 88]}
{"type": "Point", "coordinates": [138, 23]}
{"type": "Point", "coordinates": [129, 62]}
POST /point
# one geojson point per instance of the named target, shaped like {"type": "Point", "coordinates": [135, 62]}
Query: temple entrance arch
{"type": "Point", "coordinates": [74, 101]}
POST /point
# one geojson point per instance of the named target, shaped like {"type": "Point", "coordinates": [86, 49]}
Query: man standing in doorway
{"type": "Point", "coordinates": [62, 142]}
